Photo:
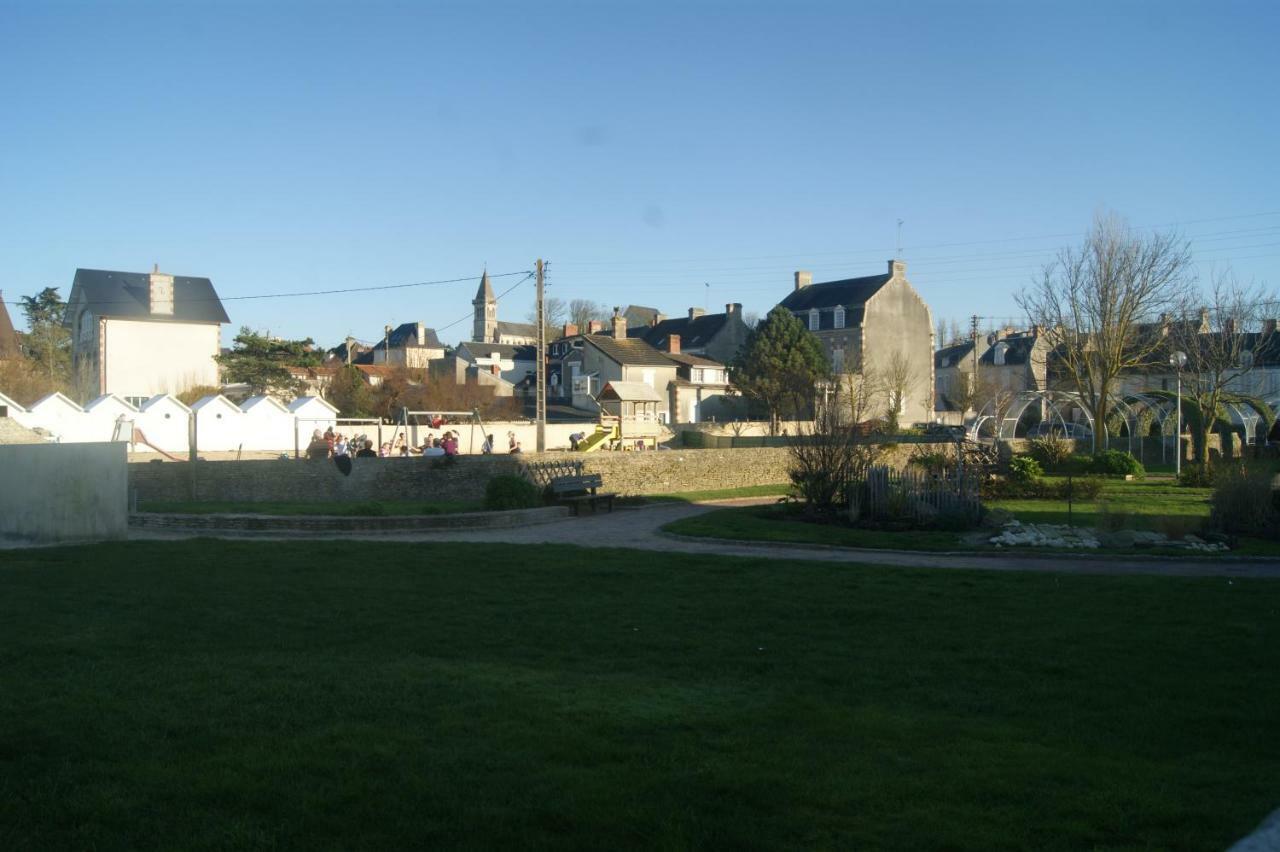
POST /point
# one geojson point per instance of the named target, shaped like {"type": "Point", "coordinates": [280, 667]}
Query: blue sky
{"type": "Point", "coordinates": [646, 150]}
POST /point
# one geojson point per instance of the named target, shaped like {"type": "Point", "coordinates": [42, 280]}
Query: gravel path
{"type": "Point", "coordinates": [641, 529]}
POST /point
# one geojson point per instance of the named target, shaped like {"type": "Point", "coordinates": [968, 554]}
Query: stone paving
{"type": "Point", "coordinates": [640, 529]}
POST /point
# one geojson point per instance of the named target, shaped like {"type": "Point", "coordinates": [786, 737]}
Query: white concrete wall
{"type": "Point", "coordinates": [64, 492]}
{"type": "Point", "coordinates": [147, 358]}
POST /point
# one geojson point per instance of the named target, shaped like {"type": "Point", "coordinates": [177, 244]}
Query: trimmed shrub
{"type": "Point", "coordinates": [1024, 469]}
{"type": "Point", "coordinates": [1052, 452]}
{"type": "Point", "coordinates": [511, 492]}
{"type": "Point", "coordinates": [1116, 463]}
{"type": "Point", "coordinates": [1242, 503]}
{"type": "Point", "coordinates": [1193, 477]}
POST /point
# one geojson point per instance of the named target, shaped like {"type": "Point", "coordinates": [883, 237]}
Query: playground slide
{"type": "Point", "coordinates": [601, 437]}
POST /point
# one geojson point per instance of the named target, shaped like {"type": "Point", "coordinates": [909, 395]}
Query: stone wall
{"type": "Point", "coordinates": [252, 481]}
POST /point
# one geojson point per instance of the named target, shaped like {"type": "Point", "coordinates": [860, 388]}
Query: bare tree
{"type": "Point", "coordinates": [1219, 358]}
{"type": "Point", "coordinates": [554, 312]}
{"type": "Point", "coordinates": [955, 332]}
{"type": "Point", "coordinates": [827, 456]}
{"type": "Point", "coordinates": [896, 380]}
{"type": "Point", "coordinates": [940, 338]}
{"type": "Point", "coordinates": [1098, 304]}
{"type": "Point", "coordinates": [991, 398]}
{"type": "Point", "coordinates": [583, 311]}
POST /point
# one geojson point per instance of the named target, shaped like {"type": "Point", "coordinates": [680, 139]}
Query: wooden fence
{"type": "Point", "coordinates": [541, 473]}
{"type": "Point", "coordinates": [914, 495]}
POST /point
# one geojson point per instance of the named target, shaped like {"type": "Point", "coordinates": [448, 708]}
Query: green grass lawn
{"type": "Point", "coordinates": [214, 695]}
{"type": "Point", "coordinates": [360, 508]}
{"type": "Point", "coordinates": [1142, 504]}
{"type": "Point", "coordinates": [723, 493]}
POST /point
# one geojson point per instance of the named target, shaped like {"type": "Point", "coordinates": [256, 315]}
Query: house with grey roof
{"type": "Point", "coordinates": [715, 336]}
{"type": "Point", "coordinates": [138, 334]}
{"type": "Point", "coordinates": [410, 345]}
{"type": "Point", "coordinates": [876, 325]}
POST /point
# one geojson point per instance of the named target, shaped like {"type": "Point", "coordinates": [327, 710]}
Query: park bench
{"type": "Point", "coordinates": [580, 489]}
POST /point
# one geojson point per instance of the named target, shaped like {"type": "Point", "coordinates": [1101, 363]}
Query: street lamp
{"type": "Point", "coordinates": [1177, 361]}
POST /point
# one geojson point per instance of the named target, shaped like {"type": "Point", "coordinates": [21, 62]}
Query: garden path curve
{"type": "Point", "coordinates": [641, 529]}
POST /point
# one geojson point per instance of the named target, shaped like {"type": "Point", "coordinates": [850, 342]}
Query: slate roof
{"type": "Point", "coordinates": [850, 292]}
{"type": "Point", "coordinates": [640, 315]}
{"type": "Point", "coordinates": [128, 294]}
{"type": "Point", "coordinates": [406, 334]}
{"type": "Point", "coordinates": [514, 351]}
{"type": "Point", "coordinates": [630, 350]}
{"type": "Point", "coordinates": [951, 354]}
{"type": "Point", "coordinates": [1019, 351]}
{"type": "Point", "coordinates": [484, 293]}
{"type": "Point", "coordinates": [9, 347]}
{"type": "Point", "coordinates": [692, 360]}
{"type": "Point", "coordinates": [694, 333]}
{"type": "Point", "coordinates": [517, 329]}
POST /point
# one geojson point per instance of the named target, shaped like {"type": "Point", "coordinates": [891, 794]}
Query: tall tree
{"type": "Point", "coordinates": [48, 342]}
{"type": "Point", "coordinates": [554, 313]}
{"type": "Point", "coordinates": [780, 366]}
{"type": "Point", "coordinates": [583, 311]}
{"type": "Point", "coordinates": [263, 363]}
{"type": "Point", "coordinates": [1219, 357]}
{"type": "Point", "coordinates": [350, 393]}
{"type": "Point", "coordinates": [1098, 303]}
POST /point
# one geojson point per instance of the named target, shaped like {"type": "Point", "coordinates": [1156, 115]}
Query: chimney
{"type": "Point", "coordinates": [619, 324]}
{"type": "Point", "coordinates": [733, 308]}
{"type": "Point", "coordinates": [1204, 321]}
{"type": "Point", "coordinates": [897, 269]}
{"type": "Point", "coordinates": [803, 279]}
{"type": "Point", "coordinates": [422, 334]}
{"type": "Point", "coordinates": [594, 326]}
{"type": "Point", "coordinates": [161, 292]}
{"type": "Point", "coordinates": [1229, 325]}
{"type": "Point", "coordinates": [673, 344]}
{"type": "Point", "coordinates": [351, 342]}
{"type": "Point", "coordinates": [570, 330]}
{"type": "Point", "coordinates": [694, 313]}
{"type": "Point", "coordinates": [1268, 327]}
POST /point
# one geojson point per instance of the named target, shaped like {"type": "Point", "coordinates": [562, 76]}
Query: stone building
{"type": "Point", "coordinates": [877, 325]}
{"type": "Point", "coordinates": [1003, 362]}
{"type": "Point", "coordinates": [138, 334]}
{"type": "Point", "coordinates": [714, 336]}
{"type": "Point", "coordinates": [410, 345]}
{"type": "Point", "coordinates": [487, 328]}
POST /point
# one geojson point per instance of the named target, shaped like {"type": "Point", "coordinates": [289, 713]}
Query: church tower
{"type": "Point", "coordinates": [484, 328]}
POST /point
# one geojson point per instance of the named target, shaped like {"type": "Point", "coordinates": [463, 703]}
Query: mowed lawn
{"type": "Point", "coordinates": [215, 695]}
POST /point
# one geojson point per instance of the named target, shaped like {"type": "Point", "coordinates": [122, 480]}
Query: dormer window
{"type": "Point", "coordinates": [813, 319]}
{"type": "Point", "coordinates": [999, 353]}
{"type": "Point", "coordinates": [839, 317]}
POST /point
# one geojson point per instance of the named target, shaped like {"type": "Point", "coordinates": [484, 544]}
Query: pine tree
{"type": "Point", "coordinates": [780, 366]}
{"type": "Point", "coordinates": [263, 363]}
{"type": "Point", "coordinates": [48, 342]}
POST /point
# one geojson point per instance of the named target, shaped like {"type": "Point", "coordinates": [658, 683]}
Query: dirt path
{"type": "Point", "coordinates": [640, 529]}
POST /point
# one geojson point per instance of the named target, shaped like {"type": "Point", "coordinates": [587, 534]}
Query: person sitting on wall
{"type": "Point", "coordinates": [328, 439]}
{"type": "Point", "coordinates": [385, 450]}
{"type": "Point", "coordinates": [367, 451]}
{"type": "Point", "coordinates": [318, 449]}
{"type": "Point", "coordinates": [449, 444]}
{"type": "Point", "coordinates": [512, 443]}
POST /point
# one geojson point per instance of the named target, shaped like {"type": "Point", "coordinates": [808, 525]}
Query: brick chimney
{"type": "Point", "coordinates": [694, 313]}
{"type": "Point", "coordinates": [594, 326]}
{"type": "Point", "coordinates": [422, 334]}
{"type": "Point", "coordinates": [161, 292]}
{"type": "Point", "coordinates": [733, 308]}
{"type": "Point", "coordinates": [673, 344]}
{"type": "Point", "coordinates": [618, 323]}
{"type": "Point", "coordinates": [803, 279]}
{"type": "Point", "coordinates": [570, 330]}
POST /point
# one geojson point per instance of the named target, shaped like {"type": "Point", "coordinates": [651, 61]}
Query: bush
{"type": "Point", "coordinates": [1242, 503]}
{"type": "Point", "coordinates": [1024, 469]}
{"type": "Point", "coordinates": [511, 492]}
{"type": "Point", "coordinates": [1193, 476]}
{"type": "Point", "coordinates": [1051, 452]}
{"type": "Point", "coordinates": [933, 461]}
{"type": "Point", "coordinates": [1077, 489]}
{"type": "Point", "coordinates": [1116, 463]}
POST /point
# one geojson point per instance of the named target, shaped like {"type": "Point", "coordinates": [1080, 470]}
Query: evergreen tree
{"type": "Point", "coordinates": [48, 343]}
{"type": "Point", "coordinates": [351, 393]}
{"type": "Point", "coordinates": [780, 366]}
{"type": "Point", "coordinates": [263, 363]}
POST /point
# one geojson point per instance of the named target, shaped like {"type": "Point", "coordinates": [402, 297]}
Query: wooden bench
{"type": "Point", "coordinates": [577, 490]}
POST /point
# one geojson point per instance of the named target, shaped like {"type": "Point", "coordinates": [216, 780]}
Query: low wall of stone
{"type": "Point", "coordinates": [307, 524]}
{"type": "Point", "coordinates": [63, 492]}
{"type": "Point", "coordinates": [253, 481]}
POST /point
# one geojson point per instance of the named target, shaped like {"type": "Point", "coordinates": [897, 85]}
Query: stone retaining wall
{"type": "Point", "coordinates": [345, 523]}
{"type": "Point", "coordinates": [255, 481]}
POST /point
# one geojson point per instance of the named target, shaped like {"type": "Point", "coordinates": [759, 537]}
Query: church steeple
{"type": "Point", "coordinates": [484, 327]}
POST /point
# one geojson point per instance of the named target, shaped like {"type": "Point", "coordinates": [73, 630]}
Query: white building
{"type": "Point", "coordinates": [139, 334]}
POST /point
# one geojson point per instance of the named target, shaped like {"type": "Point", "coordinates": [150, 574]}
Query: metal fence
{"type": "Point", "coordinates": [914, 495]}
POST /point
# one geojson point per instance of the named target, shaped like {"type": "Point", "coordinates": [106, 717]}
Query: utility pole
{"type": "Point", "coordinates": [540, 403]}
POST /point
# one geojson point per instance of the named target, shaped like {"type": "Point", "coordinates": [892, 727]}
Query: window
{"type": "Point", "coordinates": [813, 319]}
{"type": "Point", "coordinates": [837, 359]}
{"type": "Point", "coordinates": [839, 318]}
{"type": "Point", "coordinates": [696, 375]}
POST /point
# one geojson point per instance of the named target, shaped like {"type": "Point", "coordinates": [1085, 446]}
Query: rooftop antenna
{"type": "Point", "coordinates": [899, 239]}
{"type": "Point", "coordinates": [706, 295]}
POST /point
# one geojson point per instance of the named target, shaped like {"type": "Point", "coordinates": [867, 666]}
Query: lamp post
{"type": "Point", "coordinates": [1177, 361]}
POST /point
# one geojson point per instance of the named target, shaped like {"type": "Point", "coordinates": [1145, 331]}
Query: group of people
{"type": "Point", "coordinates": [330, 444]}
{"type": "Point", "coordinates": [490, 446]}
